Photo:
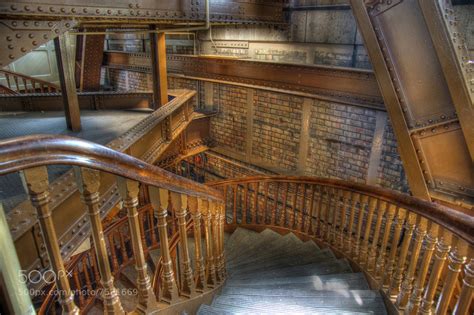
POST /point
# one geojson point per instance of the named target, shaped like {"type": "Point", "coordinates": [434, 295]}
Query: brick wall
{"type": "Point", "coordinates": [276, 128]}
{"type": "Point", "coordinates": [391, 173]}
{"type": "Point", "coordinates": [339, 137]}
{"type": "Point", "coordinates": [340, 141]}
{"type": "Point", "coordinates": [229, 127]}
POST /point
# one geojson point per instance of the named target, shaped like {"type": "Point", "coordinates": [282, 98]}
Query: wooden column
{"type": "Point", "coordinates": [146, 298]}
{"type": "Point", "coordinates": [35, 181]}
{"type": "Point", "coordinates": [210, 268]}
{"type": "Point", "coordinates": [158, 68]}
{"type": "Point", "coordinates": [88, 183]}
{"type": "Point", "coordinates": [65, 61]}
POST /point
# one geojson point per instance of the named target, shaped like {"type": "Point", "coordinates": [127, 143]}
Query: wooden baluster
{"type": "Point", "coordinates": [348, 244]}
{"type": "Point", "coordinates": [341, 234]}
{"type": "Point", "coordinates": [409, 227]}
{"type": "Point", "coordinates": [293, 213]}
{"type": "Point", "coordinates": [275, 203]}
{"type": "Point", "coordinates": [151, 220]}
{"type": "Point", "coordinates": [357, 239]}
{"type": "Point", "coordinates": [221, 238]}
{"type": "Point", "coordinates": [143, 234]}
{"type": "Point", "coordinates": [85, 270]}
{"type": "Point", "coordinates": [180, 207]}
{"type": "Point", "coordinates": [364, 250]}
{"type": "Point", "coordinates": [263, 214]}
{"type": "Point", "coordinates": [234, 212]}
{"type": "Point", "coordinates": [128, 190]}
{"type": "Point", "coordinates": [465, 298]}
{"type": "Point", "coordinates": [88, 183]}
{"type": "Point", "coordinates": [7, 78]}
{"type": "Point", "coordinates": [15, 78]}
{"type": "Point", "coordinates": [302, 214]}
{"type": "Point", "coordinates": [456, 261]}
{"type": "Point", "coordinates": [390, 264]}
{"type": "Point", "coordinates": [77, 283]}
{"type": "Point", "coordinates": [94, 267]}
{"type": "Point", "coordinates": [211, 278]}
{"type": "Point", "coordinates": [215, 223]}
{"type": "Point", "coordinates": [255, 205]}
{"type": "Point", "coordinates": [327, 213]}
{"type": "Point", "coordinates": [319, 210]}
{"type": "Point", "coordinates": [415, 298]}
{"type": "Point", "coordinates": [123, 246]}
{"type": "Point", "coordinates": [380, 264]}
{"type": "Point", "coordinates": [407, 284]}
{"type": "Point", "coordinates": [35, 181]}
{"type": "Point", "coordinates": [336, 214]}
{"type": "Point", "coordinates": [160, 201]}
{"type": "Point", "coordinates": [244, 204]}
{"type": "Point", "coordinates": [309, 219]}
{"type": "Point", "coordinates": [375, 239]}
{"type": "Point", "coordinates": [442, 249]}
{"type": "Point", "coordinates": [283, 209]}
{"type": "Point", "coordinates": [113, 252]}
{"type": "Point", "coordinates": [195, 210]}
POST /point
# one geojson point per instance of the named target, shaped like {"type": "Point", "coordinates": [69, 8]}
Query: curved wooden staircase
{"type": "Point", "coordinates": [416, 257]}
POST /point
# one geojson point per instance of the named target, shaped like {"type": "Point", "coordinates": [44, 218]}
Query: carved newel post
{"type": "Point", "coordinates": [88, 183]}
{"type": "Point", "coordinates": [146, 298]}
{"type": "Point", "coordinates": [35, 181]}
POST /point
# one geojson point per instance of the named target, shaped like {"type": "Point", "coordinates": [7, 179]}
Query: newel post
{"type": "Point", "coordinates": [35, 181]}
{"type": "Point", "coordinates": [146, 298]}
{"type": "Point", "coordinates": [210, 268]}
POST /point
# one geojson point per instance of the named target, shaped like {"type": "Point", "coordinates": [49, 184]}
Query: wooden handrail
{"type": "Point", "coordinates": [30, 151]}
{"type": "Point", "coordinates": [459, 223]}
{"type": "Point", "coordinates": [44, 86]}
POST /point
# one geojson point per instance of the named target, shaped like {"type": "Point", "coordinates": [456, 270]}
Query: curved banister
{"type": "Point", "coordinates": [455, 221]}
{"type": "Point", "coordinates": [30, 151]}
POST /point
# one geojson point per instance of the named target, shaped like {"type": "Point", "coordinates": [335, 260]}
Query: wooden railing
{"type": "Point", "coordinates": [167, 193]}
{"type": "Point", "coordinates": [24, 84]}
{"type": "Point", "coordinates": [419, 254]}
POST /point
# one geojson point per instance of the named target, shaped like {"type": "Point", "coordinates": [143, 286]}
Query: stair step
{"type": "Point", "coordinates": [354, 281]}
{"type": "Point", "coordinates": [211, 310]}
{"type": "Point", "coordinates": [321, 268]}
{"type": "Point", "coordinates": [279, 248]}
{"type": "Point", "coordinates": [297, 258]}
{"type": "Point", "coordinates": [261, 240]}
{"type": "Point", "coordinates": [154, 257]}
{"type": "Point", "coordinates": [343, 299]}
{"type": "Point", "coordinates": [240, 239]}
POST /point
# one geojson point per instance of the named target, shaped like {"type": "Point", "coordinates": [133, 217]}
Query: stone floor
{"type": "Point", "coordinates": [97, 126]}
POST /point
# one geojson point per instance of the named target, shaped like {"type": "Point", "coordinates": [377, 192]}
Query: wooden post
{"type": "Point", "coordinates": [159, 199]}
{"type": "Point", "coordinates": [158, 68]}
{"type": "Point", "coordinates": [199, 261]}
{"type": "Point", "coordinates": [88, 183]}
{"type": "Point", "coordinates": [146, 298]}
{"type": "Point", "coordinates": [35, 181]}
{"type": "Point", "coordinates": [65, 61]}
{"type": "Point", "coordinates": [180, 207]}
{"type": "Point", "coordinates": [210, 268]}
